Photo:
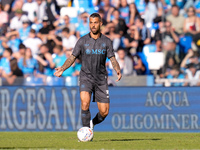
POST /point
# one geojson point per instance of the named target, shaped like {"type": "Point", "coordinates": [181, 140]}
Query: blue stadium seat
{"type": "Point", "coordinates": [109, 71]}
{"type": "Point", "coordinates": [33, 81]}
{"type": "Point", "coordinates": [55, 81]}
{"type": "Point", "coordinates": [149, 48]}
{"type": "Point", "coordinates": [144, 61]}
{"type": "Point", "coordinates": [140, 5]}
{"type": "Point", "coordinates": [91, 10]}
{"type": "Point", "coordinates": [71, 81]}
{"type": "Point", "coordinates": [180, 3]}
{"type": "Point", "coordinates": [83, 5]}
{"type": "Point", "coordinates": [185, 43]}
{"type": "Point", "coordinates": [71, 12]}
{"type": "Point", "coordinates": [152, 59]}
{"type": "Point", "coordinates": [155, 26]}
{"type": "Point", "coordinates": [122, 42]}
{"type": "Point", "coordinates": [74, 20]}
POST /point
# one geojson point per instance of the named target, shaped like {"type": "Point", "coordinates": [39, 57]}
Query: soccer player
{"type": "Point", "coordinates": [94, 48]}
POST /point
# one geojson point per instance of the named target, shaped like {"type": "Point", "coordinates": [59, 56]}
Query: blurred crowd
{"type": "Point", "coordinates": [37, 36]}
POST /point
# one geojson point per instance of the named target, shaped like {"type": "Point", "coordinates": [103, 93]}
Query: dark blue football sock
{"type": "Point", "coordinates": [98, 119]}
{"type": "Point", "coordinates": [85, 117]}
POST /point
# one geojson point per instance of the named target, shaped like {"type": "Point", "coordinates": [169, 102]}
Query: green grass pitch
{"type": "Point", "coordinates": [102, 140]}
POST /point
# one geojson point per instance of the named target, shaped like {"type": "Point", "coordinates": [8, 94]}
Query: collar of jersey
{"type": "Point", "coordinates": [93, 38]}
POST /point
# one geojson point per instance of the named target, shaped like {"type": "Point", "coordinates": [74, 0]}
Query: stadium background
{"type": "Point", "coordinates": [32, 99]}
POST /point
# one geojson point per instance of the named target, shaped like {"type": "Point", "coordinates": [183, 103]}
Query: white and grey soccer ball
{"type": "Point", "coordinates": [85, 134]}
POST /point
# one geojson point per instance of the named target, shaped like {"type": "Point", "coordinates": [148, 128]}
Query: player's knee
{"type": "Point", "coordinates": [104, 112]}
{"type": "Point", "coordinates": [85, 106]}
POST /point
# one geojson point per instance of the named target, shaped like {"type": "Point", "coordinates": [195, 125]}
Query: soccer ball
{"type": "Point", "coordinates": [85, 134]}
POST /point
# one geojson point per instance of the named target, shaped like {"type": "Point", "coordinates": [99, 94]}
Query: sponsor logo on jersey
{"type": "Point", "coordinates": [96, 51]}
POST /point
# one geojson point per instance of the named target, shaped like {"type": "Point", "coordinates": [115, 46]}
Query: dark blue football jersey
{"type": "Point", "coordinates": [93, 54]}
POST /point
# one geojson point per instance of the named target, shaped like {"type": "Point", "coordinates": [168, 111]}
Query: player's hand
{"type": "Point", "coordinates": [119, 76]}
{"type": "Point", "coordinates": [58, 72]}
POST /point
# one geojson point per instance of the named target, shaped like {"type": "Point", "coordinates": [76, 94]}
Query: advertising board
{"type": "Point", "coordinates": [133, 109]}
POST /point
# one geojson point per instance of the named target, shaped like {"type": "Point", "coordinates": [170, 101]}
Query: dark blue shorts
{"type": "Point", "coordinates": [100, 91]}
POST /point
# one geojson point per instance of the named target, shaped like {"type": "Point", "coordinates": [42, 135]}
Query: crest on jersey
{"type": "Point", "coordinates": [103, 44]}
{"type": "Point", "coordinates": [82, 85]}
{"type": "Point", "coordinates": [88, 51]}
{"type": "Point", "coordinates": [86, 45]}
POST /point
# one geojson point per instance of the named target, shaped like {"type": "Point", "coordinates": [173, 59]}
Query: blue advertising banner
{"type": "Point", "coordinates": [137, 109]}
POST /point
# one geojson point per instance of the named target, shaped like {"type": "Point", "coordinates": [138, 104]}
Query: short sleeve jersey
{"type": "Point", "coordinates": [93, 54]}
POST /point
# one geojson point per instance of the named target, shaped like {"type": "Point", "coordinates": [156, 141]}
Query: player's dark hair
{"type": "Point", "coordinates": [95, 15]}
{"type": "Point", "coordinates": [65, 30]}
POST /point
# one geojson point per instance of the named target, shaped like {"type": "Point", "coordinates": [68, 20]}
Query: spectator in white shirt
{"type": "Point", "coordinates": [68, 40]}
{"type": "Point", "coordinates": [31, 9]}
{"type": "Point", "coordinates": [16, 22]}
{"type": "Point", "coordinates": [33, 42]}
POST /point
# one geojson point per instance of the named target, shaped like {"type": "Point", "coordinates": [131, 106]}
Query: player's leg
{"type": "Point", "coordinates": [85, 104]}
{"type": "Point", "coordinates": [103, 103]}
{"type": "Point", "coordinates": [103, 112]}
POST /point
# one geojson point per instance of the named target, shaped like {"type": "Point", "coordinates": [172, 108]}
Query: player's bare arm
{"type": "Point", "coordinates": [65, 66]}
{"type": "Point", "coordinates": [68, 62]}
{"type": "Point", "coordinates": [115, 65]}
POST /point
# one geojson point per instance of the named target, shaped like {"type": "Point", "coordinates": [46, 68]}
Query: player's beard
{"type": "Point", "coordinates": [96, 31]}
